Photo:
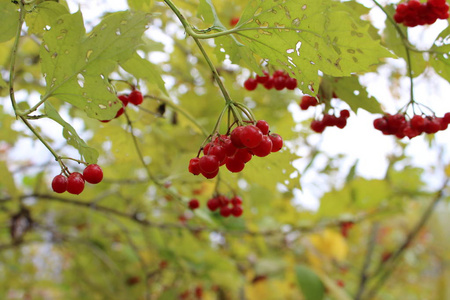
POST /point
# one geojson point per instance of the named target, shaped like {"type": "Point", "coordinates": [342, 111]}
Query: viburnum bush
{"type": "Point", "coordinates": [189, 149]}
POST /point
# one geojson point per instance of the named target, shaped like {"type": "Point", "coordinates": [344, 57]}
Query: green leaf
{"type": "Point", "coordinates": [44, 14]}
{"type": "Point", "coordinates": [440, 54]}
{"type": "Point", "coordinates": [76, 66]}
{"type": "Point", "coordinates": [306, 37]}
{"type": "Point", "coordinates": [10, 20]}
{"type": "Point", "coordinates": [349, 90]}
{"type": "Point", "coordinates": [207, 12]}
{"type": "Point", "coordinates": [142, 5]}
{"type": "Point", "coordinates": [89, 154]}
{"type": "Point", "coordinates": [143, 69]}
{"type": "Point", "coordinates": [310, 284]}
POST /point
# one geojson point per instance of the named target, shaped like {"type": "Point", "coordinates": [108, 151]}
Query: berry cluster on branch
{"type": "Point", "coordinates": [399, 126]}
{"type": "Point", "coordinates": [135, 98]}
{"type": "Point", "coordinates": [236, 149]}
{"type": "Point", "coordinates": [74, 183]}
{"type": "Point", "coordinates": [279, 80]}
{"type": "Point", "coordinates": [414, 13]}
{"type": "Point", "coordinates": [226, 206]}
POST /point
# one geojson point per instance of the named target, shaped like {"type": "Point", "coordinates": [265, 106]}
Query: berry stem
{"type": "Point", "coordinates": [13, 58]}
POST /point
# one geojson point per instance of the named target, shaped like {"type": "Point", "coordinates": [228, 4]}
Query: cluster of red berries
{"type": "Point", "coordinates": [135, 97]}
{"type": "Point", "coordinates": [331, 120]}
{"type": "Point", "coordinates": [74, 184]}
{"type": "Point", "coordinates": [279, 80]}
{"type": "Point", "coordinates": [400, 127]}
{"type": "Point", "coordinates": [413, 12]}
{"type": "Point", "coordinates": [236, 150]}
{"type": "Point", "coordinates": [227, 207]}
{"type": "Point", "coordinates": [308, 101]}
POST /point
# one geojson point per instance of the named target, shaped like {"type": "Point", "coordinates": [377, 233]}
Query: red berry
{"type": "Point", "coordinates": [135, 97]}
{"type": "Point", "coordinates": [243, 155]}
{"type": "Point", "coordinates": [193, 204]}
{"type": "Point", "coordinates": [237, 211]}
{"type": "Point", "coordinates": [269, 83]}
{"type": "Point", "coordinates": [210, 175]}
{"type": "Point", "coordinates": [234, 164]}
{"type": "Point", "coordinates": [417, 122]}
{"type": "Point", "coordinates": [250, 84]}
{"type": "Point", "coordinates": [194, 167]}
{"type": "Point", "coordinates": [234, 21]}
{"type": "Point", "coordinates": [251, 136]}
{"type": "Point", "coordinates": [124, 99]}
{"type": "Point", "coordinates": [235, 137]}
{"type": "Point", "coordinates": [75, 183]}
{"type": "Point", "coordinates": [291, 83]}
{"type": "Point", "coordinates": [213, 204]}
{"type": "Point", "coordinates": [208, 164]}
{"type": "Point", "coordinates": [277, 142]}
{"type": "Point", "coordinates": [262, 79]}
{"type": "Point", "coordinates": [345, 113]}
{"type": "Point", "coordinates": [93, 174]}
{"type": "Point", "coordinates": [59, 184]}
{"type": "Point", "coordinates": [236, 200]}
{"type": "Point", "coordinates": [263, 126]}
{"type": "Point", "coordinates": [264, 148]}
{"type": "Point", "coordinates": [317, 126]}
{"type": "Point", "coordinates": [219, 152]}
{"type": "Point", "coordinates": [225, 211]}
{"type": "Point", "coordinates": [230, 149]}
{"type": "Point", "coordinates": [380, 124]}
{"type": "Point", "coordinates": [279, 83]}
{"type": "Point", "coordinates": [341, 122]}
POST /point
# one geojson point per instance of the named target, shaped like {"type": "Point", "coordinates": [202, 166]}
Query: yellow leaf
{"type": "Point", "coordinates": [329, 244]}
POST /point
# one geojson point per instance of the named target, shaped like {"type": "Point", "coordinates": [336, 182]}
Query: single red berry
{"type": "Point", "coordinates": [262, 79]}
{"type": "Point", "coordinates": [269, 83]}
{"type": "Point", "coordinates": [277, 142]}
{"type": "Point", "coordinates": [237, 211]}
{"type": "Point", "coordinates": [235, 137]}
{"type": "Point", "coordinates": [236, 200]}
{"type": "Point", "coordinates": [198, 292]}
{"type": "Point", "coordinates": [213, 204]}
{"type": "Point", "coordinates": [317, 126]}
{"type": "Point", "coordinates": [263, 126]}
{"type": "Point", "coordinates": [329, 120]}
{"type": "Point", "coordinates": [75, 183]}
{"type": "Point", "coordinates": [219, 152]}
{"type": "Point", "coordinates": [341, 122]}
{"type": "Point", "coordinates": [345, 113]}
{"type": "Point", "coordinates": [251, 136]}
{"type": "Point", "coordinates": [417, 122]}
{"type": "Point", "coordinates": [411, 132]}
{"type": "Point", "coordinates": [234, 165]}
{"type": "Point", "coordinates": [264, 148]}
{"type": "Point", "coordinates": [234, 21]}
{"type": "Point", "coordinates": [291, 83]}
{"type": "Point", "coordinates": [380, 124]}
{"type": "Point", "coordinates": [135, 97]}
{"type": "Point", "coordinates": [210, 175]}
{"type": "Point", "coordinates": [208, 164]}
{"type": "Point", "coordinates": [206, 148]}
{"type": "Point", "coordinates": [225, 211]}
{"type": "Point", "coordinates": [93, 174]}
{"type": "Point", "coordinates": [279, 83]}
{"type": "Point", "coordinates": [345, 227]}
{"type": "Point", "coordinates": [59, 184]}
{"type": "Point", "coordinates": [230, 149]}
{"type": "Point", "coordinates": [193, 204]}
{"type": "Point", "coordinates": [250, 84]}
{"type": "Point", "coordinates": [124, 99]}
{"type": "Point", "coordinates": [433, 126]}
{"type": "Point", "coordinates": [447, 117]}
{"type": "Point", "coordinates": [444, 125]}
{"type": "Point", "coordinates": [243, 155]}
{"type": "Point", "coordinates": [279, 73]}
{"type": "Point", "coordinates": [194, 167]}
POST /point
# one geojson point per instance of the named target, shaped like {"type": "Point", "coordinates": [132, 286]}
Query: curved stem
{"type": "Point", "coordinates": [13, 57]}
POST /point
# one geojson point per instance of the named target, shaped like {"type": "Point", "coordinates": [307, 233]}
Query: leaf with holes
{"type": "Point", "coordinates": [89, 154]}
{"type": "Point", "coordinates": [305, 37]}
{"type": "Point", "coordinates": [349, 90]}
{"type": "Point", "coordinates": [10, 20]}
{"type": "Point", "coordinates": [44, 14]}
{"type": "Point", "coordinates": [440, 54]}
{"type": "Point", "coordinates": [76, 66]}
